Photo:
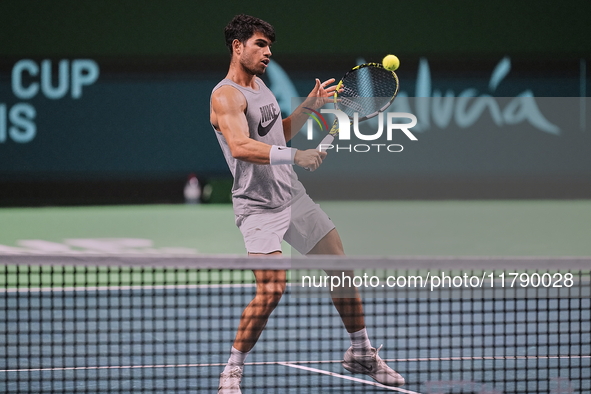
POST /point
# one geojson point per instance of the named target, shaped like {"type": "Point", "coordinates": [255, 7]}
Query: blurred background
{"type": "Point", "coordinates": [107, 102]}
{"type": "Point", "coordinates": [105, 138]}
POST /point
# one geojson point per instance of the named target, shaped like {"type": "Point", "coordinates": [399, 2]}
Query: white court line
{"type": "Point", "coordinates": [336, 375]}
{"type": "Point", "coordinates": [162, 366]}
{"type": "Point", "coordinates": [466, 358]}
{"type": "Point", "coordinates": [291, 363]}
{"type": "Point", "coordinates": [107, 367]}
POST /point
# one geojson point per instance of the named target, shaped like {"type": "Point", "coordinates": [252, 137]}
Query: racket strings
{"type": "Point", "coordinates": [367, 90]}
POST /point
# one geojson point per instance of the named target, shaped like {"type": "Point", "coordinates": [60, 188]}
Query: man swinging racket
{"type": "Point", "coordinates": [270, 204]}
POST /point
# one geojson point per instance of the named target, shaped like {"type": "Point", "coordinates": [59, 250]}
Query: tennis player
{"type": "Point", "coordinates": [270, 203]}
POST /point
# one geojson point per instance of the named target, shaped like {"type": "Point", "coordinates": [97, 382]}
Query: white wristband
{"type": "Point", "coordinates": [282, 155]}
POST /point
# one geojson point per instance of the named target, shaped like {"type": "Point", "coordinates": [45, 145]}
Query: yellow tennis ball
{"type": "Point", "coordinates": [391, 62]}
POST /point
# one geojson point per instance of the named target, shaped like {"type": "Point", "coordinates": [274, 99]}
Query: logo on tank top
{"type": "Point", "coordinates": [269, 115]}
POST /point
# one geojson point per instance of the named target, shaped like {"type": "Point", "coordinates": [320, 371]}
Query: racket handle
{"type": "Point", "coordinates": [325, 141]}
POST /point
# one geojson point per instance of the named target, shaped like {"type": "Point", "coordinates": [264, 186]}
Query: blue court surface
{"type": "Point", "coordinates": [176, 339]}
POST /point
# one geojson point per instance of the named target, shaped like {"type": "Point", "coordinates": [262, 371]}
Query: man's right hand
{"type": "Point", "coordinates": [309, 159]}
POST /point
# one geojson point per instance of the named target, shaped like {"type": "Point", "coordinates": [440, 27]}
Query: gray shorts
{"type": "Point", "coordinates": [302, 225]}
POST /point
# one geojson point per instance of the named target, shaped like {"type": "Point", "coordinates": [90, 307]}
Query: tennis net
{"type": "Point", "coordinates": [156, 324]}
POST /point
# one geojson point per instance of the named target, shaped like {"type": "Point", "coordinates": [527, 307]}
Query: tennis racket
{"type": "Point", "coordinates": [367, 89]}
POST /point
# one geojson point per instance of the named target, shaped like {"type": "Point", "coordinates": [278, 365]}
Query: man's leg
{"type": "Point", "coordinates": [350, 309]}
{"type": "Point", "coordinates": [361, 357]}
{"type": "Point", "coordinates": [270, 287]}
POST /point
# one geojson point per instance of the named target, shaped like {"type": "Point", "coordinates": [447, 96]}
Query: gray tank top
{"type": "Point", "coordinates": [260, 188]}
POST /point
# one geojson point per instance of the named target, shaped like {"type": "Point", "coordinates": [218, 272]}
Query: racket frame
{"type": "Point", "coordinates": [334, 131]}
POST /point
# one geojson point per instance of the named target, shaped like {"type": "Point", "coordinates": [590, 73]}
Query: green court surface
{"type": "Point", "coordinates": [377, 228]}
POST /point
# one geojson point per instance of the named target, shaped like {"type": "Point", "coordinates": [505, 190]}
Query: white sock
{"type": "Point", "coordinates": [360, 342]}
{"type": "Point", "coordinates": [236, 359]}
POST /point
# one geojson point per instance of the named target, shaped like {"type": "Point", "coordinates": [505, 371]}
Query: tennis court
{"type": "Point", "coordinates": [140, 299]}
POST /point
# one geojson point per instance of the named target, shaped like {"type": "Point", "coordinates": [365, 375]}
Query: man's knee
{"type": "Point", "coordinates": [270, 294]}
{"type": "Point", "coordinates": [270, 287]}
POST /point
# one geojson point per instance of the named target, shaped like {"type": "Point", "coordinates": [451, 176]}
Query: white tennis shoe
{"type": "Point", "coordinates": [373, 366]}
{"type": "Point", "coordinates": [230, 382]}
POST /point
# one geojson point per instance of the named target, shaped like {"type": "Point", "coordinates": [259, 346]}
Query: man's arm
{"type": "Point", "coordinates": [320, 95]}
{"type": "Point", "coordinates": [228, 106]}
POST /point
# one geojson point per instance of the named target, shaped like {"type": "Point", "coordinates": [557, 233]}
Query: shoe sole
{"type": "Point", "coordinates": [355, 368]}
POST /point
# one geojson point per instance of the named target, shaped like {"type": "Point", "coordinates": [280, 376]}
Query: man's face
{"type": "Point", "coordinates": [255, 54]}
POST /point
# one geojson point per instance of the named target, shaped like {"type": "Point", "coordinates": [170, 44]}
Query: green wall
{"type": "Point", "coordinates": [195, 28]}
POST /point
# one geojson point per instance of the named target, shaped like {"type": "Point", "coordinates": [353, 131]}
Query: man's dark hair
{"type": "Point", "coordinates": [242, 27]}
